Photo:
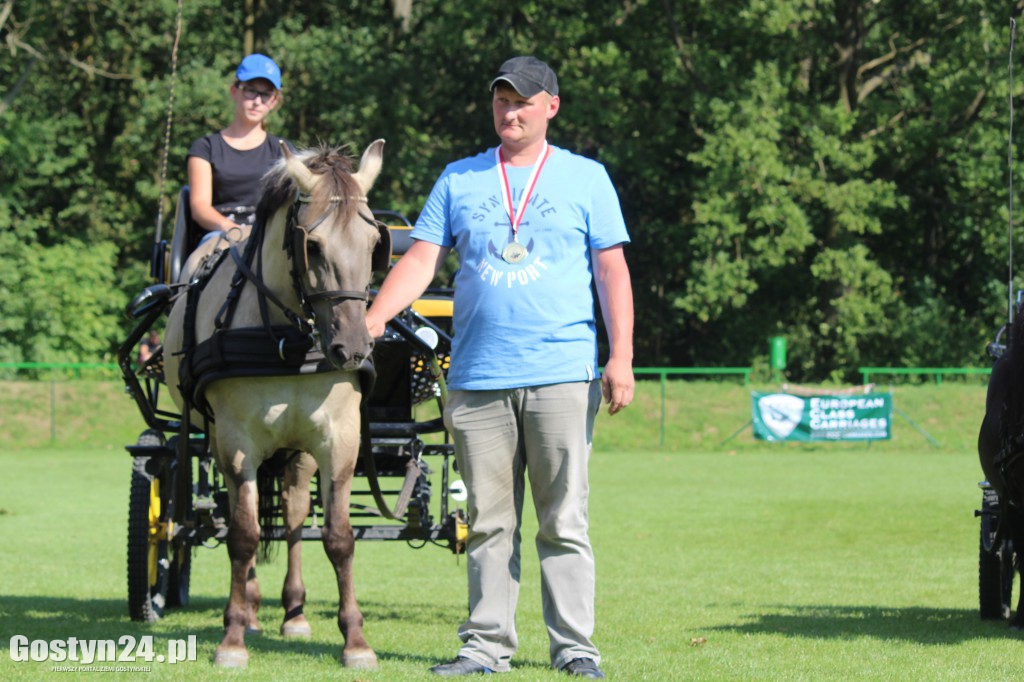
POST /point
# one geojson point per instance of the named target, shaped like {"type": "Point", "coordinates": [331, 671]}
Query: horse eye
{"type": "Point", "coordinates": [313, 249]}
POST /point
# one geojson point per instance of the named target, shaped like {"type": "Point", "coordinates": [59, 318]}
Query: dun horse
{"type": "Point", "coordinates": [1001, 448]}
{"type": "Point", "coordinates": [304, 275]}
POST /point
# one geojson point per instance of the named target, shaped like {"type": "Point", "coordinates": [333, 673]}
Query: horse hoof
{"type": "Point", "coordinates": [301, 631]}
{"type": "Point", "coordinates": [231, 658]}
{"type": "Point", "coordinates": [360, 660]}
{"type": "Point", "coordinates": [253, 630]}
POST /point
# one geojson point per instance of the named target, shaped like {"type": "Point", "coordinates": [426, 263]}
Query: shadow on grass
{"type": "Point", "coordinates": [49, 618]}
{"type": "Point", "coordinates": [912, 624]}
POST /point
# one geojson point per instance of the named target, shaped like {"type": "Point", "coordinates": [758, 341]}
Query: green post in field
{"type": "Point", "coordinates": [778, 356]}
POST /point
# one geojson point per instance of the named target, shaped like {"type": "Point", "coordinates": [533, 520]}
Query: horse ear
{"type": "Point", "coordinates": [303, 177]}
{"type": "Point", "coordinates": [370, 165]}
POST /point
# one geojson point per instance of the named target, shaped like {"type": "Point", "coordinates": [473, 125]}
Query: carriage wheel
{"type": "Point", "coordinates": [995, 564]}
{"type": "Point", "coordinates": [148, 563]}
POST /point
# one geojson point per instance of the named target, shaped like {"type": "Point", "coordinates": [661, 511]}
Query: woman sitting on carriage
{"type": "Point", "coordinates": [225, 167]}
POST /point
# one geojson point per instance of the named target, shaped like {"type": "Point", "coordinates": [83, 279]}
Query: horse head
{"type": "Point", "coordinates": [331, 237]}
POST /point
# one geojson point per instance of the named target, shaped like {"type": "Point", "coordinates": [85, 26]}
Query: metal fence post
{"type": "Point", "coordinates": [53, 410]}
{"type": "Point", "coordinates": [664, 380]}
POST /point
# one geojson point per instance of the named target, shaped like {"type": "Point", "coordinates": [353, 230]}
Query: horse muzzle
{"type": "Point", "coordinates": [346, 342]}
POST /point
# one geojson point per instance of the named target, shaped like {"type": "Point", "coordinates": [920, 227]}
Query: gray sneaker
{"type": "Point", "coordinates": [461, 666]}
{"type": "Point", "coordinates": [583, 667]}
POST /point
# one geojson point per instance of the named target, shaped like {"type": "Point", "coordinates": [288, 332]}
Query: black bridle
{"type": "Point", "coordinates": [297, 245]}
{"type": "Point", "coordinates": [249, 267]}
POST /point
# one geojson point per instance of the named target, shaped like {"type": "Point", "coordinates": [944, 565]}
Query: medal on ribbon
{"type": "Point", "coordinates": [515, 252]}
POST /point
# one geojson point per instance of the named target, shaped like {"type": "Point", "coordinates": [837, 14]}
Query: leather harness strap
{"type": "Point", "coordinates": [225, 344]}
{"type": "Point", "coordinates": [293, 317]}
{"type": "Point", "coordinates": [412, 474]}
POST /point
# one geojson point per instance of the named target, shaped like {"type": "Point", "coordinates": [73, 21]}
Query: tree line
{"type": "Point", "coordinates": [833, 171]}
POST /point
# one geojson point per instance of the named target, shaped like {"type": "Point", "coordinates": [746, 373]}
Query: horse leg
{"type": "Point", "coordinates": [1015, 521]}
{"type": "Point", "coordinates": [1017, 619]}
{"type": "Point", "coordinates": [243, 539]}
{"type": "Point", "coordinates": [252, 586]}
{"type": "Point", "coordinates": [253, 599]}
{"type": "Point", "coordinates": [295, 497]}
{"type": "Point", "coordinates": [339, 543]}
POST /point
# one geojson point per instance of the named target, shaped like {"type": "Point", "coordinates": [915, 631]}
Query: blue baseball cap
{"type": "Point", "coordinates": [259, 66]}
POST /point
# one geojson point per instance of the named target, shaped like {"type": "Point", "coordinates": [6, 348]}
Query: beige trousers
{"type": "Point", "coordinates": [499, 436]}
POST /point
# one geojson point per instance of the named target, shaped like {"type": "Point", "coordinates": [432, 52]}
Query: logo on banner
{"type": "Point", "coordinates": [781, 413]}
{"type": "Point", "coordinates": [783, 416]}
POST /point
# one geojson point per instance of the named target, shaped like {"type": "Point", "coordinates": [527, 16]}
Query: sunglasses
{"type": "Point", "coordinates": [253, 93]}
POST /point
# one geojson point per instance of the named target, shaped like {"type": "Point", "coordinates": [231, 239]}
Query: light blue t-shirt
{"type": "Point", "coordinates": [531, 323]}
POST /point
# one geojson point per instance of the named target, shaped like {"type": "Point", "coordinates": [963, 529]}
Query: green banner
{"type": "Point", "coordinates": [783, 416]}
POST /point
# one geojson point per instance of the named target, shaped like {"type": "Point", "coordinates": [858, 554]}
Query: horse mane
{"type": "Point", "coordinates": [328, 161]}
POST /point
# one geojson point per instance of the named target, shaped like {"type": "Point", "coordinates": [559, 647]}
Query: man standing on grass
{"type": "Point", "coordinates": [535, 226]}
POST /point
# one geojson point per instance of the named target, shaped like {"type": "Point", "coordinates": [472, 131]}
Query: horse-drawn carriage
{"type": "Point", "coordinates": [181, 498]}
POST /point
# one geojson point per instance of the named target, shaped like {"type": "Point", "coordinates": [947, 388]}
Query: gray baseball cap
{"type": "Point", "coordinates": [528, 75]}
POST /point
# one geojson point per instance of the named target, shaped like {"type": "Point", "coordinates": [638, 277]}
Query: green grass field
{"type": "Point", "coordinates": [742, 561]}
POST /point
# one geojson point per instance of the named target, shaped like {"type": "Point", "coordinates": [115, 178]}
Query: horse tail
{"type": "Point", "coordinates": [268, 489]}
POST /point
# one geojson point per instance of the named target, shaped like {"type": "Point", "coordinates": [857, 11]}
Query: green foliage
{"type": "Point", "coordinates": [834, 172]}
{"type": "Point", "coordinates": [60, 302]}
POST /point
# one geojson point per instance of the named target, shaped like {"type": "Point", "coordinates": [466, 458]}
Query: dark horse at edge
{"type": "Point", "coordinates": [1001, 452]}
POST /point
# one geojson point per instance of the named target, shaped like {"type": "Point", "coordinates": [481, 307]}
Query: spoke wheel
{"type": "Point", "coordinates": [148, 547]}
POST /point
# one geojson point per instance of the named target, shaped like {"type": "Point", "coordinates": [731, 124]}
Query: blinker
{"type": "Point", "coordinates": [301, 244]}
{"type": "Point", "coordinates": [381, 258]}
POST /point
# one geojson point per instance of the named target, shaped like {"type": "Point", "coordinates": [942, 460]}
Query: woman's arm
{"type": "Point", "coordinates": [200, 182]}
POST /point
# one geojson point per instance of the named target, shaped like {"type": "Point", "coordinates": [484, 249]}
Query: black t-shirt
{"type": "Point", "coordinates": [236, 173]}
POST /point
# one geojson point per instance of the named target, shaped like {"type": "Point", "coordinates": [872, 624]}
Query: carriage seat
{"type": "Point", "coordinates": [185, 239]}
